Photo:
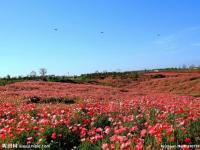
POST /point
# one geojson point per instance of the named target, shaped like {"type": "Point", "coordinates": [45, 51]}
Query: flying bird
{"type": "Point", "coordinates": [101, 32]}
{"type": "Point", "coordinates": [158, 34]}
{"type": "Point", "coordinates": [55, 29]}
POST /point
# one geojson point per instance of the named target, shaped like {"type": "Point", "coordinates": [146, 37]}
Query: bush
{"type": "Point", "coordinates": [123, 90]}
{"type": "Point", "coordinates": [158, 76]}
{"type": "Point", "coordinates": [194, 78]}
{"type": "Point", "coordinates": [34, 99]}
{"type": "Point", "coordinates": [59, 100]}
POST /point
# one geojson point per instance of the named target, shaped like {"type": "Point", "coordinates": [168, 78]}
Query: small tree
{"type": "Point", "coordinates": [33, 74]}
{"type": "Point", "coordinates": [8, 77]}
{"type": "Point", "coordinates": [43, 72]}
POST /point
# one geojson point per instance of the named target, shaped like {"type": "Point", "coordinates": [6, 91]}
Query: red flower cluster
{"type": "Point", "coordinates": [135, 122]}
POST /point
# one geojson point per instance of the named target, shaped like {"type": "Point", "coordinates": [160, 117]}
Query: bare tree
{"type": "Point", "coordinates": [33, 74]}
{"type": "Point", "coordinates": [43, 71]}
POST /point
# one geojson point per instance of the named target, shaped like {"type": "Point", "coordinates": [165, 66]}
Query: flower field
{"type": "Point", "coordinates": [100, 118]}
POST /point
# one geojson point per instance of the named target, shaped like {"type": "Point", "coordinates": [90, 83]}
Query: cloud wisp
{"type": "Point", "coordinates": [182, 39]}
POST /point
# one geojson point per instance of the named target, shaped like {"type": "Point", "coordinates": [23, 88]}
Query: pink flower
{"type": "Point", "coordinates": [105, 146]}
{"type": "Point", "coordinates": [123, 146]}
{"type": "Point", "coordinates": [54, 117]}
{"type": "Point", "coordinates": [134, 128]}
{"type": "Point", "coordinates": [113, 138]}
{"type": "Point", "coordinates": [99, 130]}
{"type": "Point", "coordinates": [110, 119]}
{"type": "Point", "coordinates": [91, 132]}
{"type": "Point", "coordinates": [98, 137]}
{"type": "Point", "coordinates": [41, 129]}
{"type": "Point", "coordinates": [143, 132]}
{"type": "Point", "coordinates": [93, 118]}
{"type": "Point", "coordinates": [83, 132]}
{"type": "Point", "coordinates": [139, 146]}
{"type": "Point", "coordinates": [122, 138]}
{"type": "Point", "coordinates": [107, 130]}
{"type": "Point", "coordinates": [118, 131]}
{"type": "Point", "coordinates": [54, 136]}
{"type": "Point", "coordinates": [112, 146]}
{"type": "Point", "coordinates": [29, 139]}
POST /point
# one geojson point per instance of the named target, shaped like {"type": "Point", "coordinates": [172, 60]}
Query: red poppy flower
{"type": "Point", "coordinates": [54, 136]}
{"type": "Point", "coordinates": [187, 140]}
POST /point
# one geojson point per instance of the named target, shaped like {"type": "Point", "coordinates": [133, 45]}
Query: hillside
{"type": "Point", "coordinates": [124, 111]}
{"type": "Point", "coordinates": [109, 87]}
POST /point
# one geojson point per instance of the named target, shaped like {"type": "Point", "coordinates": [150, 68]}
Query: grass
{"type": "Point", "coordinates": [4, 82]}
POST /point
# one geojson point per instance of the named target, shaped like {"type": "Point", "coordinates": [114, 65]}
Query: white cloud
{"type": "Point", "coordinates": [178, 40]}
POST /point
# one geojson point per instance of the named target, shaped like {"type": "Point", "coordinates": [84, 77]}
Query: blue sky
{"type": "Point", "coordinates": [138, 34]}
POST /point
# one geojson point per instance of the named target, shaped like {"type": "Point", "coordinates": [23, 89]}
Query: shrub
{"type": "Point", "coordinates": [194, 78]}
{"type": "Point", "coordinates": [123, 90]}
{"type": "Point", "coordinates": [53, 100]}
{"type": "Point", "coordinates": [59, 100]}
{"type": "Point", "coordinates": [34, 99]}
{"type": "Point", "coordinates": [158, 76]}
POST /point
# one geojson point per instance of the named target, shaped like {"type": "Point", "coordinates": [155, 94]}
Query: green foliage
{"type": "Point", "coordinates": [140, 123]}
{"type": "Point", "coordinates": [171, 118]}
{"type": "Point", "coordinates": [102, 121]}
{"type": "Point", "coordinates": [194, 130]}
{"type": "Point", "coordinates": [80, 116]}
{"type": "Point", "coordinates": [59, 100]}
{"type": "Point", "coordinates": [66, 140]}
{"type": "Point", "coordinates": [88, 146]}
{"type": "Point", "coordinates": [150, 140]}
{"type": "Point", "coordinates": [33, 113]}
{"type": "Point", "coordinates": [153, 115]}
{"type": "Point", "coordinates": [91, 77]}
{"type": "Point", "coordinates": [102, 75]}
{"type": "Point", "coordinates": [54, 100]}
{"type": "Point", "coordinates": [21, 139]}
{"type": "Point", "coordinates": [7, 81]}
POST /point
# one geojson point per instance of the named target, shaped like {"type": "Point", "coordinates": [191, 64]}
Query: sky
{"type": "Point", "coordinates": [83, 36]}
